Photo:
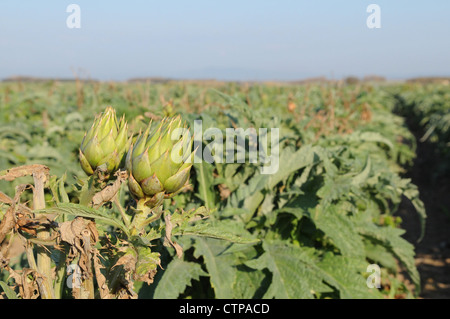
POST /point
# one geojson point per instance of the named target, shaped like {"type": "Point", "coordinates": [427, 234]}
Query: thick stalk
{"type": "Point", "coordinates": [88, 285]}
{"type": "Point", "coordinates": [60, 275]}
{"type": "Point", "coordinates": [43, 256]}
{"type": "Point", "coordinates": [140, 217]}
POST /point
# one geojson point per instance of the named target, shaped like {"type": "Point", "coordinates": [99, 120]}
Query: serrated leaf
{"type": "Point", "coordinates": [217, 232]}
{"type": "Point", "coordinates": [295, 274]}
{"type": "Point", "coordinates": [291, 161]}
{"type": "Point", "coordinates": [83, 211]}
{"type": "Point", "coordinates": [380, 255]}
{"type": "Point", "coordinates": [220, 266]}
{"type": "Point", "coordinates": [342, 273]}
{"type": "Point", "coordinates": [392, 240]}
{"type": "Point", "coordinates": [340, 229]}
{"type": "Point", "coordinates": [177, 276]}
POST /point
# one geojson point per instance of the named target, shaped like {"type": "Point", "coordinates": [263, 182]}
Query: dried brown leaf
{"type": "Point", "coordinates": [109, 192]}
{"type": "Point", "coordinates": [101, 279]}
{"type": "Point", "coordinates": [168, 236]}
{"type": "Point", "coordinates": [7, 224]}
{"type": "Point", "coordinates": [26, 170]}
{"type": "Point", "coordinates": [5, 198]}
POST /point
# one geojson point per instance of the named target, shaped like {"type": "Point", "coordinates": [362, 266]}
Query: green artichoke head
{"type": "Point", "coordinates": [105, 143]}
{"type": "Point", "coordinates": [160, 160]}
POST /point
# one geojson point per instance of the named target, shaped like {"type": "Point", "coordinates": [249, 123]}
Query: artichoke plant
{"type": "Point", "coordinates": [105, 143]}
{"type": "Point", "coordinates": [160, 160]}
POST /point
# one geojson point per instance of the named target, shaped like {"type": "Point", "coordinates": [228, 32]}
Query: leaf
{"type": "Point", "coordinates": [249, 283]}
{"type": "Point", "coordinates": [379, 254]}
{"type": "Point", "coordinates": [25, 170]}
{"type": "Point", "coordinates": [362, 137]}
{"type": "Point", "coordinates": [392, 240]}
{"type": "Point", "coordinates": [83, 211]}
{"type": "Point", "coordinates": [363, 175]}
{"type": "Point", "coordinates": [9, 292]}
{"type": "Point", "coordinates": [204, 172]}
{"type": "Point", "coordinates": [340, 229]}
{"type": "Point", "coordinates": [249, 196]}
{"type": "Point", "coordinates": [295, 274]}
{"type": "Point", "coordinates": [290, 162]}
{"type": "Point", "coordinates": [146, 265]}
{"type": "Point", "coordinates": [177, 276]}
{"type": "Point", "coordinates": [412, 193]}
{"type": "Point", "coordinates": [11, 131]}
{"type": "Point", "coordinates": [220, 266]}
{"type": "Point", "coordinates": [57, 188]}
{"type": "Point", "coordinates": [293, 161]}
{"type": "Point", "coordinates": [342, 274]}
{"type": "Point", "coordinates": [217, 232]}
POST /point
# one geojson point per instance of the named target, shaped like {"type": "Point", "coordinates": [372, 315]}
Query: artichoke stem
{"type": "Point", "coordinates": [142, 212]}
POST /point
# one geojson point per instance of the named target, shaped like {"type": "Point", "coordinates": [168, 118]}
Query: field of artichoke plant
{"type": "Point", "coordinates": [101, 195]}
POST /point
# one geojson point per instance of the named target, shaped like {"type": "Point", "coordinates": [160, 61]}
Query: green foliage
{"type": "Point", "coordinates": [428, 110]}
{"type": "Point", "coordinates": [9, 292]}
{"type": "Point", "coordinates": [100, 215]}
{"type": "Point", "coordinates": [309, 230]}
{"type": "Point", "coordinates": [177, 276]}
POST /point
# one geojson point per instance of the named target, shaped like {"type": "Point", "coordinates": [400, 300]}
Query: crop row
{"type": "Point", "coordinates": [311, 228]}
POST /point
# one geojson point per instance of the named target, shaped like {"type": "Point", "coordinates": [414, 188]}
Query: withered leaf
{"type": "Point", "coordinates": [20, 171]}
{"type": "Point", "coordinates": [168, 236]}
{"type": "Point", "coordinates": [108, 193]}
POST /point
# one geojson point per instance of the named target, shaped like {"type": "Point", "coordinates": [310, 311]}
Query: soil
{"type": "Point", "coordinates": [433, 252]}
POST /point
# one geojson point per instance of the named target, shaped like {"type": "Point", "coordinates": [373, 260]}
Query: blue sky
{"type": "Point", "coordinates": [230, 40]}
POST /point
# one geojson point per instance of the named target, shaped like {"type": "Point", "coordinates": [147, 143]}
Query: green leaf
{"type": "Point", "coordinates": [177, 276]}
{"type": "Point", "coordinates": [340, 229]}
{"type": "Point", "coordinates": [295, 274]}
{"type": "Point", "coordinates": [249, 283]}
{"type": "Point", "coordinates": [220, 266]}
{"type": "Point", "coordinates": [290, 161]}
{"type": "Point", "coordinates": [380, 255]}
{"type": "Point", "coordinates": [79, 210]}
{"type": "Point", "coordinates": [412, 193]}
{"type": "Point", "coordinates": [217, 232]}
{"type": "Point", "coordinates": [205, 179]}
{"type": "Point", "coordinates": [362, 137]}
{"type": "Point", "coordinates": [392, 240]}
{"type": "Point", "coordinates": [342, 273]}
{"type": "Point", "coordinates": [57, 188]}
{"type": "Point", "coordinates": [9, 292]}
{"type": "Point", "coordinates": [147, 263]}
{"type": "Point", "coordinates": [363, 175]}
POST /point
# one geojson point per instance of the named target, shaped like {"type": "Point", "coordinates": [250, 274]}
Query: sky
{"type": "Point", "coordinates": [224, 40]}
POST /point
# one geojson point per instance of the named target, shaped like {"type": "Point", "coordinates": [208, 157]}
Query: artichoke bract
{"type": "Point", "coordinates": [105, 143]}
{"type": "Point", "coordinates": [160, 160]}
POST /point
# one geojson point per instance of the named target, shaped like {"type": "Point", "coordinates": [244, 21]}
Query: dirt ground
{"type": "Point", "coordinates": [433, 252]}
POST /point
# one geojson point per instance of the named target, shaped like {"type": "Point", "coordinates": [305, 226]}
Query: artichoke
{"type": "Point", "coordinates": [160, 160]}
{"type": "Point", "coordinates": [105, 143]}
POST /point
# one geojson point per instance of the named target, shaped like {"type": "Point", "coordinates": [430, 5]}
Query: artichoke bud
{"type": "Point", "coordinates": [157, 162]}
{"type": "Point", "coordinates": [105, 143]}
